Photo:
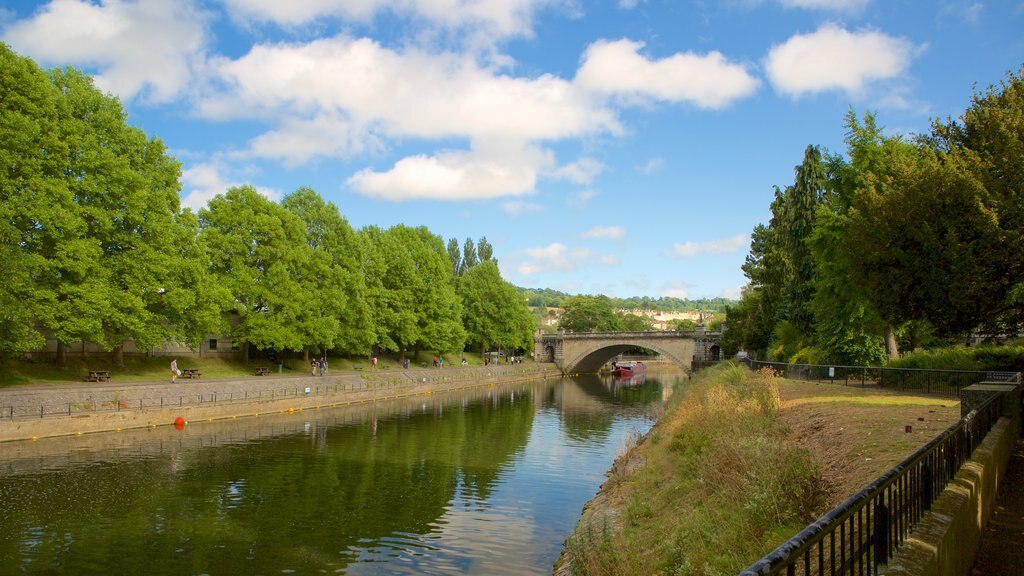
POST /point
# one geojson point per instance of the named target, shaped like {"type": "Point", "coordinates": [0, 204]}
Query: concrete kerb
{"type": "Point", "coordinates": [352, 388]}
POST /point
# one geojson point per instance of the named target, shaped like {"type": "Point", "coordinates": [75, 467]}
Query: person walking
{"type": "Point", "coordinates": [174, 370]}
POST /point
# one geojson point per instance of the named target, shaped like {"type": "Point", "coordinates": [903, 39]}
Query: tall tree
{"type": "Point", "coordinates": [256, 250]}
{"type": "Point", "coordinates": [484, 250]}
{"type": "Point", "coordinates": [40, 228]}
{"type": "Point", "coordinates": [337, 316]}
{"type": "Point", "coordinates": [493, 312]}
{"type": "Point", "coordinates": [589, 313]}
{"type": "Point", "coordinates": [455, 255]}
{"type": "Point", "coordinates": [390, 286]}
{"type": "Point", "coordinates": [802, 201]}
{"type": "Point", "coordinates": [469, 256]}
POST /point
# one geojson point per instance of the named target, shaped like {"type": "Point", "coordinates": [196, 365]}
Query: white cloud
{"type": "Point", "coordinates": [147, 49]}
{"type": "Point", "coordinates": [734, 293]}
{"type": "Point", "coordinates": [722, 246]}
{"type": "Point", "coordinates": [628, 4]}
{"type": "Point", "coordinates": [833, 58]}
{"type": "Point", "coordinates": [201, 182]}
{"type": "Point", "coordinates": [610, 260]}
{"type": "Point", "coordinates": [834, 5]}
{"type": "Point", "coordinates": [581, 198]}
{"type": "Point", "coordinates": [455, 175]}
{"type": "Point", "coordinates": [299, 140]}
{"type": "Point", "coordinates": [516, 207]}
{"type": "Point", "coordinates": [556, 256]}
{"type": "Point", "coordinates": [651, 166]}
{"type": "Point", "coordinates": [583, 171]}
{"type": "Point", "coordinates": [498, 19]}
{"type": "Point", "coordinates": [617, 68]}
{"type": "Point", "coordinates": [675, 290]}
{"type": "Point", "coordinates": [610, 232]}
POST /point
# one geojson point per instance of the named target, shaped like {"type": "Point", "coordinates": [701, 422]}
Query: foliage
{"type": "Point", "coordinates": [986, 357]}
{"type": "Point", "coordinates": [634, 323]}
{"type": "Point", "coordinates": [589, 314]}
{"type": "Point", "coordinates": [493, 312]}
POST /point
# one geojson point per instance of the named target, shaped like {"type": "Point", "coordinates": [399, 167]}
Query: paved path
{"type": "Point", "coordinates": [1001, 550]}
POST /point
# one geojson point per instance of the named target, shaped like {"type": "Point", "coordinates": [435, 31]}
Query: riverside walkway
{"type": "Point", "coordinates": [37, 411]}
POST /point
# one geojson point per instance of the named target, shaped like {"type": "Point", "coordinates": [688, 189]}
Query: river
{"type": "Point", "coordinates": [484, 481]}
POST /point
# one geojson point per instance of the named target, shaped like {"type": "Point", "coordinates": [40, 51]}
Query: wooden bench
{"type": "Point", "coordinates": [191, 373]}
{"type": "Point", "coordinates": [262, 371]}
{"type": "Point", "coordinates": [98, 376]}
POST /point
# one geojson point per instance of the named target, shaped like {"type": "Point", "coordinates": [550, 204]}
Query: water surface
{"type": "Point", "coordinates": [486, 481]}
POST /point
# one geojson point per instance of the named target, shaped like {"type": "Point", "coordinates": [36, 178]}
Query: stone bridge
{"type": "Point", "coordinates": [584, 352]}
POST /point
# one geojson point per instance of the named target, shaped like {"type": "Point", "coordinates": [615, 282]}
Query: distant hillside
{"type": "Point", "coordinates": [546, 297]}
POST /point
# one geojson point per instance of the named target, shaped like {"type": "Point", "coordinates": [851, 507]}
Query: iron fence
{"type": "Point", "coordinates": [938, 382]}
{"type": "Point", "coordinates": [863, 533]}
{"type": "Point", "coordinates": [383, 379]}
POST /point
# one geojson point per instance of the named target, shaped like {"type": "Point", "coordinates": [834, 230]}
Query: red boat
{"type": "Point", "coordinates": [628, 369]}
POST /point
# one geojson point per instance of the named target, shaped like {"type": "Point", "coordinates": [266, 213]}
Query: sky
{"type": "Point", "coordinates": [617, 147]}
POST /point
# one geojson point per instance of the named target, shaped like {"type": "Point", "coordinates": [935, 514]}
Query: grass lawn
{"type": "Point", "coordinates": [155, 368]}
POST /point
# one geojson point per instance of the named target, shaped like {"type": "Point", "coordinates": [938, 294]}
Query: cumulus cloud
{"type": "Point", "coordinates": [734, 293]}
{"type": "Point", "coordinates": [499, 19]}
{"type": "Point", "coordinates": [583, 171]}
{"type": "Point", "coordinates": [651, 166]}
{"type": "Point", "coordinates": [148, 49]}
{"type": "Point", "coordinates": [516, 207]}
{"type": "Point", "coordinates": [707, 81]}
{"type": "Point", "coordinates": [833, 58]}
{"type": "Point", "coordinates": [833, 5]}
{"type": "Point", "coordinates": [722, 246]}
{"type": "Point", "coordinates": [609, 232]}
{"type": "Point", "coordinates": [455, 175]}
{"type": "Point", "coordinates": [581, 198]}
{"type": "Point", "coordinates": [201, 182]}
{"type": "Point", "coordinates": [675, 290]}
{"type": "Point", "coordinates": [561, 258]}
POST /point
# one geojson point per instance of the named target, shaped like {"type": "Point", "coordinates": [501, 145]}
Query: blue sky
{"type": "Point", "coordinates": [622, 147]}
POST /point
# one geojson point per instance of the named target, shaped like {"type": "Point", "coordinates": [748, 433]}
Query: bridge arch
{"type": "Point", "coordinates": [587, 351]}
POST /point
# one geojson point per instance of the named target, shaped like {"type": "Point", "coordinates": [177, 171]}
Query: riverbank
{"type": "Point", "coordinates": [739, 463]}
{"type": "Point", "coordinates": [41, 411]}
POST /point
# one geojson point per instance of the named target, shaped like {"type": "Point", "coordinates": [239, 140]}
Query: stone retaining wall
{"type": "Point", "coordinates": [945, 542]}
{"type": "Point", "coordinates": [234, 398]}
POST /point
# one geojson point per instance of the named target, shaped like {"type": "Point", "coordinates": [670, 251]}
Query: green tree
{"type": "Point", "coordinates": [469, 256]}
{"type": "Point", "coordinates": [589, 313]}
{"type": "Point", "coordinates": [634, 323]}
{"type": "Point", "coordinates": [493, 312]}
{"type": "Point", "coordinates": [40, 227]}
{"type": "Point", "coordinates": [455, 255]}
{"type": "Point", "coordinates": [484, 250]}
{"type": "Point", "coordinates": [390, 276]}
{"type": "Point", "coordinates": [802, 201]}
{"type": "Point", "coordinates": [256, 250]}
{"type": "Point", "coordinates": [337, 316]}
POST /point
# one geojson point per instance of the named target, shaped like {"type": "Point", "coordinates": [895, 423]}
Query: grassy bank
{"type": "Point", "coordinates": [710, 489]}
{"type": "Point", "coordinates": [15, 372]}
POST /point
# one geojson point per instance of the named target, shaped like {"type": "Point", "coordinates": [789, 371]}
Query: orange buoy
{"type": "Point", "coordinates": [179, 423]}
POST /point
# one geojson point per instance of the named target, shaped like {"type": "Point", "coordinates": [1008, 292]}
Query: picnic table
{"type": "Point", "coordinates": [98, 376]}
{"type": "Point", "coordinates": [262, 371]}
{"type": "Point", "coordinates": [191, 373]}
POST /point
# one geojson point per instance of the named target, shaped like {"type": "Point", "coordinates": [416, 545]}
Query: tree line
{"type": "Point", "coordinates": [903, 242]}
{"type": "Point", "coordinates": [97, 248]}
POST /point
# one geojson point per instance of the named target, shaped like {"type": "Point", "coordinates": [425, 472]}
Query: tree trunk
{"type": "Point", "coordinates": [62, 354]}
{"type": "Point", "coordinates": [119, 355]}
{"type": "Point", "coordinates": [891, 347]}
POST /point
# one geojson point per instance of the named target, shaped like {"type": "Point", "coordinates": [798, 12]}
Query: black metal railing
{"type": "Point", "coordinates": [864, 532]}
{"type": "Point", "coordinates": [937, 382]}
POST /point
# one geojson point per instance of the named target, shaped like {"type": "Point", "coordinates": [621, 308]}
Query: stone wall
{"type": "Point", "coordinates": [945, 542]}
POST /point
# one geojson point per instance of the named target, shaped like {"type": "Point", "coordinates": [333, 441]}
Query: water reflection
{"type": "Point", "coordinates": [483, 481]}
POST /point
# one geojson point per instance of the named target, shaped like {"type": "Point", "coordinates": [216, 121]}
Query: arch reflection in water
{"type": "Point", "coordinates": [490, 481]}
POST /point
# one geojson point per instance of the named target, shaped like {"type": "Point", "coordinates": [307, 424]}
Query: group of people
{"type": "Point", "coordinates": [318, 365]}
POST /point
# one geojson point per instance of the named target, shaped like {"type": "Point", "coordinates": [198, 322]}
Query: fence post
{"type": "Point", "coordinates": [881, 530]}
